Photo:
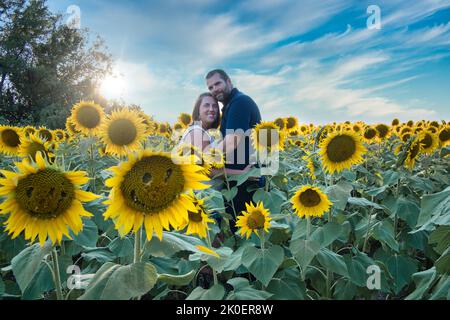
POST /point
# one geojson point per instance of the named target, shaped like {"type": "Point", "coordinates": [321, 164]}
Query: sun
{"type": "Point", "coordinates": [113, 86]}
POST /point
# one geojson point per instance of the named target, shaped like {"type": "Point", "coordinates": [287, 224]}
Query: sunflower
{"type": "Point", "coordinates": [413, 152]}
{"type": "Point", "coordinates": [357, 128]}
{"type": "Point", "coordinates": [164, 129]}
{"type": "Point", "coordinates": [304, 129]}
{"type": "Point", "coordinates": [150, 189]}
{"type": "Point", "coordinates": [198, 219]}
{"type": "Point", "coordinates": [148, 122]}
{"type": "Point", "coordinates": [369, 134]}
{"type": "Point", "coordinates": [310, 201]}
{"type": "Point", "coordinates": [410, 123]}
{"type": "Point", "coordinates": [444, 136]}
{"type": "Point", "coordinates": [43, 200]}
{"type": "Point", "coordinates": [341, 150]}
{"type": "Point", "coordinates": [122, 132]}
{"type": "Point", "coordinates": [291, 123]}
{"type": "Point", "coordinates": [310, 165]}
{"type": "Point", "coordinates": [178, 126]}
{"type": "Point", "coordinates": [46, 134]}
{"type": "Point", "coordinates": [185, 119]}
{"type": "Point", "coordinates": [214, 157]}
{"type": "Point", "coordinates": [254, 219]}
{"type": "Point", "coordinates": [28, 130]}
{"type": "Point", "coordinates": [10, 140]}
{"type": "Point", "coordinates": [70, 127]}
{"type": "Point", "coordinates": [281, 123]}
{"type": "Point", "coordinates": [34, 143]}
{"type": "Point", "coordinates": [434, 124]}
{"type": "Point", "coordinates": [383, 131]}
{"type": "Point", "coordinates": [60, 135]}
{"type": "Point", "coordinates": [267, 136]}
{"type": "Point", "coordinates": [405, 130]}
{"type": "Point", "coordinates": [395, 122]}
{"type": "Point", "coordinates": [87, 117]}
{"type": "Point", "coordinates": [429, 141]}
{"type": "Point", "coordinates": [405, 137]}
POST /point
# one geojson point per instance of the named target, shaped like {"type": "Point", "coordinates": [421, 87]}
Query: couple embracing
{"type": "Point", "coordinates": [240, 114]}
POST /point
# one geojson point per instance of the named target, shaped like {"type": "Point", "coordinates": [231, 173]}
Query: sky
{"type": "Point", "coordinates": [321, 61]}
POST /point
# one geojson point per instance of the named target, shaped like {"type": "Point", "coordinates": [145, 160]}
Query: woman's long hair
{"type": "Point", "coordinates": [196, 111]}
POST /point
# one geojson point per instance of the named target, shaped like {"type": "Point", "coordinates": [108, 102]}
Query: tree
{"type": "Point", "coordinates": [45, 65]}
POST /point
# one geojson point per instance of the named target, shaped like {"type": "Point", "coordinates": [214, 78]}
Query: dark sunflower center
{"type": "Point", "coordinates": [10, 138]}
{"type": "Point", "coordinates": [185, 119]}
{"type": "Point", "coordinates": [122, 132]}
{"type": "Point", "coordinates": [152, 184]}
{"type": "Point", "coordinates": [195, 216]}
{"type": "Point", "coordinates": [414, 150]}
{"type": "Point", "coordinates": [35, 147]}
{"type": "Point", "coordinates": [29, 131]}
{"type": "Point", "coordinates": [382, 130]}
{"type": "Point", "coordinates": [427, 141]}
{"type": "Point", "coordinates": [256, 220]}
{"type": "Point", "coordinates": [395, 122]}
{"type": "Point", "coordinates": [309, 198]}
{"type": "Point", "coordinates": [406, 137]}
{"type": "Point", "coordinates": [60, 135]}
{"type": "Point", "coordinates": [88, 117]}
{"type": "Point", "coordinates": [341, 148]}
{"type": "Point", "coordinates": [45, 134]}
{"type": "Point", "coordinates": [444, 135]}
{"type": "Point", "coordinates": [290, 123]}
{"type": "Point", "coordinates": [370, 133]}
{"type": "Point", "coordinates": [46, 194]}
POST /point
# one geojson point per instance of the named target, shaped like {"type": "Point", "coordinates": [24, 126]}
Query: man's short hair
{"type": "Point", "coordinates": [221, 73]}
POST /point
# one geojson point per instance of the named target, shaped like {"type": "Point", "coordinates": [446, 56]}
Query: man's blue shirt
{"type": "Point", "coordinates": [239, 112]}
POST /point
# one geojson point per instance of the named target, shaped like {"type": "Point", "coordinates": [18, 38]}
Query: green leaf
{"type": "Point", "coordinates": [363, 202]}
{"type": "Point", "coordinates": [171, 243]}
{"type": "Point", "coordinates": [423, 281]}
{"type": "Point", "coordinates": [376, 191]}
{"type": "Point", "coordinates": [241, 178]}
{"type": "Point", "coordinates": [390, 177]}
{"type": "Point", "coordinates": [214, 262]}
{"type": "Point", "coordinates": [384, 232]}
{"type": "Point", "coordinates": [304, 251]}
{"type": "Point", "coordinates": [117, 282]}
{"type": "Point", "coordinates": [433, 207]}
{"type": "Point", "coordinates": [100, 254]}
{"type": "Point", "coordinates": [287, 285]}
{"type": "Point", "coordinates": [177, 280]}
{"type": "Point", "coordinates": [88, 236]}
{"type": "Point", "coordinates": [344, 290]}
{"type": "Point", "coordinates": [401, 268]}
{"type": "Point", "coordinates": [440, 236]}
{"type": "Point", "coordinates": [2, 287]}
{"type": "Point", "coordinates": [332, 261]}
{"type": "Point", "coordinates": [263, 263]}
{"type": "Point", "coordinates": [27, 263]}
{"type": "Point", "coordinates": [121, 247]}
{"type": "Point", "coordinates": [272, 200]}
{"type": "Point", "coordinates": [407, 210]}
{"type": "Point", "coordinates": [357, 270]}
{"type": "Point", "coordinates": [235, 259]}
{"type": "Point", "coordinates": [339, 194]}
{"type": "Point", "coordinates": [244, 291]}
{"type": "Point", "coordinates": [216, 292]}
{"type": "Point", "coordinates": [327, 234]}
{"type": "Point", "coordinates": [230, 194]}
{"type": "Point", "coordinates": [442, 289]}
{"type": "Point", "coordinates": [443, 263]}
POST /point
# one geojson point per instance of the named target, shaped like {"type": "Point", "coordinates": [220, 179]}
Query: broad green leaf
{"type": "Point", "coordinates": [177, 280]}
{"type": "Point", "coordinates": [363, 202]}
{"type": "Point", "coordinates": [408, 211]}
{"type": "Point", "coordinates": [432, 207]}
{"type": "Point", "coordinates": [423, 281]}
{"type": "Point", "coordinates": [440, 236]}
{"type": "Point", "coordinates": [27, 263]}
{"type": "Point", "coordinates": [327, 234]}
{"type": "Point", "coordinates": [263, 263]}
{"type": "Point", "coordinates": [304, 251]}
{"type": "Point", "coordinates": [216, 292]}
{"type": "Point", "coordinates": [332, 261]}
{"type": "Point", "coordinates": [244, 291]}
{"type": "Point", "coordinates": [272, 200]}
{"type": "Point", "coordinates": [214, 262]}
{"type": "Point", "coordinates": [241, 178]}
{"type": "Point", "coordinates": [287, 285]}
{"type": "Point", "coordinates": [401, 268]}
{"type": "Point", "coordinates": [121, 247]}
{"type": "Point", "coordinates": [117, 282]}
{"type": "Point", "coordinates": [357, 270]}
{"type": "Point", "coordinates": [230, 194]}
{"type": "Point", "coordinates": [2, 287]}
{"type": "Point", "coordinates": [443, 263]}
{"type": "Point", "coordinates": [442, 289]}
{"type": "Point", "coordinates": [102, 255]}
{"type": "Point", "coordinates": [88, 236]}
{"type": "Point", "coordinates": [344, 290]}
{"type": "Point", "coordinates": [384, 232]}
{"type": "Point", "coordinates": [339, 194]}
{"type": "Point", "coordinates": [390, 177]}
{"type": "Point", "coordinates": [171, 243]}
{"type": "Point", "coordinates": [235, 259]}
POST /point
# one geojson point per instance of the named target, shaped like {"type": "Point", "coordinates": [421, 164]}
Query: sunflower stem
{"type": "Point", "coordinates": [56, 275]}
{"type": "Point", "coordinates": [308, 227]}
{"type": "Point", "coordinates": [208, 241]}
{"type": "Point", "coordinates": [229, 190]}
{"type": "Point", "coordinates": [137, 246]}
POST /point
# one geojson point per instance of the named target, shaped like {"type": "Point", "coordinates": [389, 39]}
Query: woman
{"type": "Point", "coordinates": [205, 116]}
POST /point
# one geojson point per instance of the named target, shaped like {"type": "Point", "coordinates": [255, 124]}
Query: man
{"type": "Point", "coordinates": [240, 114]}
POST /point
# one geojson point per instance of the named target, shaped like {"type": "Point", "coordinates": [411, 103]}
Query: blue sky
{"type": "Point", "coordinates": [316, 60]}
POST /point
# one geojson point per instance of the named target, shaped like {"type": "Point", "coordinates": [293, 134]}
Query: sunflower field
{"type": "Point", "coordinates": [112, 208]}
